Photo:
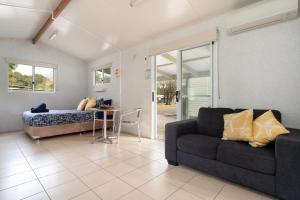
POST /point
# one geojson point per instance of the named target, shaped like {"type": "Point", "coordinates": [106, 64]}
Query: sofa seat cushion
{"type": "Point", "coordinates": [241, 154]}
{"type": "Point", "coordinates": [200, 145]}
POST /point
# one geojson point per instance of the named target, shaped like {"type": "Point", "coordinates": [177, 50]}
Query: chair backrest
{"type": "Point", "coordinates": [139, 113]}
{"type": "Point", "coordinates": [134, 113]}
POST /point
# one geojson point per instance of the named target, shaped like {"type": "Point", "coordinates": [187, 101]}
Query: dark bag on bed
{"type": "Point", "coordinates": [40, 109]}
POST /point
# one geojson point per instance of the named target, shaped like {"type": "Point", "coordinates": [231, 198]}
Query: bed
{"type": "Point", "coordinates": [58, 122]}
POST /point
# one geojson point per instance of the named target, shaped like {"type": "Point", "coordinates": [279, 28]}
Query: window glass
{"type": "Point", "coordinates": [20, 77]}
{"type": "Point", "coordinates": [196, 82]}
{"type": "Point", "coordinates": [102, 76]}
{"type": "Point", "coordinates": [44, 79]}
{"type": "Point", "coordinates": [106, 75]}
{"type": "Point", "coordinates": [98, 77]}
{"type": "Point", "coordinates": [30, 78]}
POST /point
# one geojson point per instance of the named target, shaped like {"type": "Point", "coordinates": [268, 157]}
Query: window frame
{"type": "Point", "coordinates": [104, 67]}
{"type": "Point", "coordinates": [34, 65]}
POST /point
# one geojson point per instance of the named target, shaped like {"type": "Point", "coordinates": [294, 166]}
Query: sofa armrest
{"type": "Point", "coordinates": [287, 152]}
{"type": "Point", "coordinates": [172, 132]}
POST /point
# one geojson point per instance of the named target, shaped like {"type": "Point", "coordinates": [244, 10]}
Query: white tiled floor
{"type": "Point", "coordinates": [69, 167]}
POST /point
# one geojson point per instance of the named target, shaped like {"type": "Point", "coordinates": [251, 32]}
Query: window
{"type": "Point", "coordinates": [30, 78]}
{"type": "Point", "coordinates": [44, 79]}
{"type": "Point", "coordinates": [102, 76]}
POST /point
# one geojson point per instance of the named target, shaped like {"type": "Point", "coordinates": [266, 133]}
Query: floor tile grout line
{"type": "Point", "coordinates": [115, 177]}
{"type": "Point", "coordinates": [137, 188]}
{"type": "Point", "coordinates": [179, 188]}
{"type": "Point", "coordinates": [79, 179]}
{"type": "Point", "coordinates": [35, 174]}
{"type": "Point", "coordinates": [54, 173]}
{"type": "Point", "coordinates": [34, 195]}
{"type": "Point", "coordinates": [118, 177]}
{"type": "Point", "coordinates": [182, 188]}
{"type": "Point", "coordinates": [18, 173]}
{"type": "Point", "coordinates": [17, 185]}
{"type": "Point", "coordinates": [89, 189]}
{"type": "Point", "coordinates": [219, 191]}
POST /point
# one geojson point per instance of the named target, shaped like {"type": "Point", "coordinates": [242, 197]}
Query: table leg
{"type": "Point", "coordinates": [103, 138]}
{"type": "Point", "coordinates": [94, 124]}
{"type": "Point", "coordinates": [104, 124]}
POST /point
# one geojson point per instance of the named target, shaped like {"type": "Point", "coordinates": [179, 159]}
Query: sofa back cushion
{"type": "Point", "coordinates": [259, 112]}
{"type": "Point", "coordinates": [211, 122]}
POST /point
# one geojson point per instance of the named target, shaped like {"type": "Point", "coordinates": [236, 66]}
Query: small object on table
{"type": "Point", "coordinates": [104, 110]}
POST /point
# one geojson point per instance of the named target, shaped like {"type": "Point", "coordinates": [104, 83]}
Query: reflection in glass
{"type": "Point", "coordinates": [106, 75]}
{"type": "Point", "coordinates": [196, 88]}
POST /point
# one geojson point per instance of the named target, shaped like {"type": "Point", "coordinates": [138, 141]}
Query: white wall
{"type": "Point", "coordinates": [261, 69]}
{"type": "Point", "coordinates": [71, 84]}
{"type": "Point", "coordinates": [257, 69]}
{"type": "Point", "coordinates": [111, 90]}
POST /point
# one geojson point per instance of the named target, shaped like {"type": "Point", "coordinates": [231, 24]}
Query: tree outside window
{"type": "Point", "coordinates": [30, 77]}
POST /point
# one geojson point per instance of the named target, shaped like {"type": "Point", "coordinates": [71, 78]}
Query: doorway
{"type": "Point", "coordinates": [166, 85]}
{"type": "Point", "coordinates": [182, 83]}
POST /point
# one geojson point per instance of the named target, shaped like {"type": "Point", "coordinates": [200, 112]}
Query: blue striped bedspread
{"type": "Point", "coordinates": [56, 117]}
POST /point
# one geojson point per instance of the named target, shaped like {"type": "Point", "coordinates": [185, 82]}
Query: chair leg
{"type": "Point", "coordinates": [139, 131]}
{"type": "Point", "coordinates": [119, 130]}
{"type": "Point", "coordinates": [114, 124]}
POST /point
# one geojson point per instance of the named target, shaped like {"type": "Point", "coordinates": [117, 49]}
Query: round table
{"type": "Point", "coordinates": [103, 138]}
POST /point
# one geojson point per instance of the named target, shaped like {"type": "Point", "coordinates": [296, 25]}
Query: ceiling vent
{"type": "Point", "coordinates": [263, 13]}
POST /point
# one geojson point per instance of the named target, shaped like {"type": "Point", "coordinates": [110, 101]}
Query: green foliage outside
{"type": "Point", "coordinates": [21, 81]}
{"type": "Point", "coordinates": [98, 78]}
{"type": "Point", "coordinates": [168, 90]}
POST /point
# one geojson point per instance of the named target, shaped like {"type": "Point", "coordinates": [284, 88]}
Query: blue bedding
{"type": "Point", "coordinates": [56, 117]}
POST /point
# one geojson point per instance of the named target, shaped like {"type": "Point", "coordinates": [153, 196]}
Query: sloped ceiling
{"type": "Point", "coordinates": [88, 29]}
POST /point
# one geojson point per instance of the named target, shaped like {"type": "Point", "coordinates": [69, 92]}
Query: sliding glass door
{"type": "Point", "coordinates": [166, 86]}
{"type": "Point", "coordinates": [182, 83]}
{"type": "Point", "coordinates": [196, 80]}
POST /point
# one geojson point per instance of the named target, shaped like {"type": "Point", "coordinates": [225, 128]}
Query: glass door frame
{"type": "Point", "coordinates": [179, 71]}
{"type": "Point", "coordinates": [154, 132]}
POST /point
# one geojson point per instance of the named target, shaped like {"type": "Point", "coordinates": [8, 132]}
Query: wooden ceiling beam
{"type": "Point", "coordinates": [61, 6]}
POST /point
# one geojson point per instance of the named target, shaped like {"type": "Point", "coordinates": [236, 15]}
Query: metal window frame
{"type": "Point", "coordinates": [107, 66]}
{"type": "Point", "coordinates": [33, 65]}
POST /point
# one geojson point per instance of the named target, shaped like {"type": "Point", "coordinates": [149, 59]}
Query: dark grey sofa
{"type": "Point", "coordinates": [197, 143]}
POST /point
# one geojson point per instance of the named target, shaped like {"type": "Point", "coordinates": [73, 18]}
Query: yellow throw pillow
{"type": "Point", "coordinates": [91, 103]}
{"type": "Point", "coordinates": [265, 129]}
{"type": "Point", "coordinates": [82, 104]}
{"type": "Point", "coordinates": [238, 126]}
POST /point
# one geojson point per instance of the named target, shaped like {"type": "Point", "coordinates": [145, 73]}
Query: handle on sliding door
{"type": "Point", "coordinates": [152, 96]}
{"type": "Point", "coordinates": [177, 95]}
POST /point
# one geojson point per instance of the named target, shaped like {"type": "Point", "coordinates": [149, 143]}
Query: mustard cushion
{"type": "Point", "coordinates": [91, 103]}
{"type": "Point", "coordinates": [82, 104]}
{"type": "Point", "coordinates": [265, 129]}
{"type": "Point", "coordinates": [238, 126]}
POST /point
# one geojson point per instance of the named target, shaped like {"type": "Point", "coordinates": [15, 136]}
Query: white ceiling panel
{"type": "Point", "coordinates": [98, 27]}
{"type": "Point", "coordinates": [19, 23]}
{"type": "Point", "coordinates": [206, 8]}
{"type": "Point", "coordinates": [75, 41]}
{"type": "Point", "coordinates": [40, 4]}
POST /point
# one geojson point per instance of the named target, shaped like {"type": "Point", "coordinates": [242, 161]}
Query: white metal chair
{"type": "Point", "coordinates": [134, 120]}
